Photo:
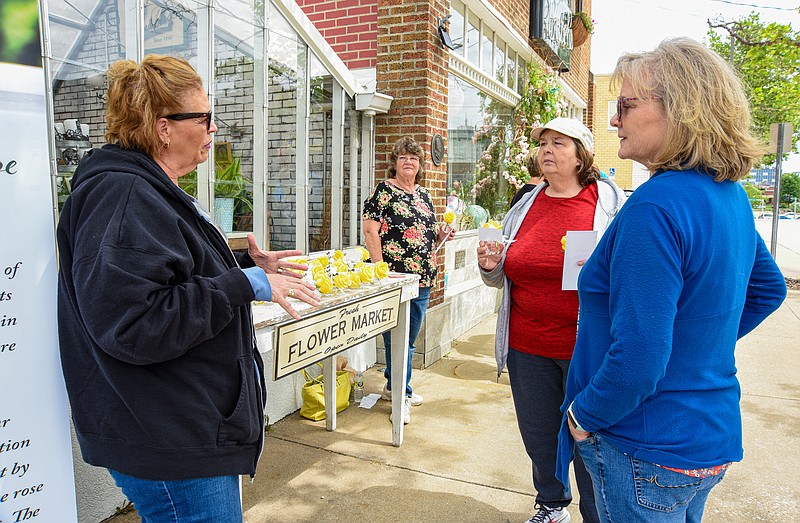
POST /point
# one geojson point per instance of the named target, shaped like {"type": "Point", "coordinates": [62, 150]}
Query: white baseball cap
{"type": "Point", "coordinates": [569, 127]}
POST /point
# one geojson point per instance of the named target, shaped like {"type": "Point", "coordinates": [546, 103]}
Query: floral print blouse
{"type": "Point", "coordinates": [408, 229]}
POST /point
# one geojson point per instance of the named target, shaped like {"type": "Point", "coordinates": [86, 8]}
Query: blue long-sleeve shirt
{"type": "Point", "coordinates": [678, 277]}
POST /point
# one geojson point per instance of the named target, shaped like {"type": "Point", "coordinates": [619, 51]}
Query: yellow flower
{"type": "Point", "coordinates": [338, 255]}
{"type": "Point", "coordinates": [367, 273]}
{"type": "Point", "coordinates": [364, 253]}
{"type": "Point", "coordinates": [324, 284]}
{"type": "Point", "coordinates": [340, 266]}
{"type": "Point", "coordinates": [381, 269]}
{"type": "Point", "coordinates": [342, 280]}
{"type": "Point", "coordinates": [564, 243]}
{"type": "Point", "coordinates": [492, 224]}
{"type": "Point", "coordinates": [355, 279]}
{"type": "Point", "coordinates": [448, 217]}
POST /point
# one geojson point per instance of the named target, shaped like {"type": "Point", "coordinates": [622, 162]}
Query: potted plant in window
{"type": "Point", "coordinates": [582, 27]}
{"type": "Point", "coordinates": [230, 192]}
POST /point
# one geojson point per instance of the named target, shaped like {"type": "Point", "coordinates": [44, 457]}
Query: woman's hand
{"type": "Point", "coordinates": [578, 435]}
{"type": "Point", "coordinates": [272, 262]}
{"type": "Point", "coordinates": [490, 254]}
{"type": "Point", "coordinates": [284, 287]}
{"type": "Point", "coordinates": [444, 233]}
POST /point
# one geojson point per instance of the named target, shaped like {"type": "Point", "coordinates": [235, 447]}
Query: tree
{"type": "Point", "coordinates": [755, 195]}
{"type": "Point", "coordinates": [790, 187]}
{"type": "Point", "coordinates": [766, 56]}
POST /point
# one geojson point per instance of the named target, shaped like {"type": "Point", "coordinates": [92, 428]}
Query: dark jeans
{"type": "Point", "coordinates": [416, 314]}
{"type": "Point", "coordinates": [538, 386]}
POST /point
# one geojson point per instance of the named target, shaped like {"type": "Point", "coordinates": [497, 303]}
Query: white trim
{"type": "Point", "coordinates": [569, 94]}
{"type": "Point", "coordinates": [461, 67]}
{"type": "Point", "coordinates": [317, 43]}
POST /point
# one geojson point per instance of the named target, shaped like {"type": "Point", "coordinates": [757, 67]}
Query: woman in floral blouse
{"type": "Point", "coordinates": [400, 228]}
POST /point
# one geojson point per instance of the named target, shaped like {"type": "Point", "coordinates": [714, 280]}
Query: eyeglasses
{"type": "Point", "coordinates": [189, 116]}
{"type": "Point", "coordinates": [404, 159]}
{"type": "Point", "coordinates": [622, 100]}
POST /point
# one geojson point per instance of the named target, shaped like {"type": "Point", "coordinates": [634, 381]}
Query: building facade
{"type": "Point", "coordinates": [309, 98]}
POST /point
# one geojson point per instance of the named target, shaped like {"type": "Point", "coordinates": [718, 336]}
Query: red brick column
{"type": "Point", "coordinates": [413, 67]}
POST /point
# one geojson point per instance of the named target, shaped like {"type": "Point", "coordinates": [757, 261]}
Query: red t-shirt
{"type": "Point", "coordinates": [543, 319]}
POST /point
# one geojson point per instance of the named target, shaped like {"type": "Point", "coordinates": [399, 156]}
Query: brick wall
{"type": "Point", "coordinates": [413, 68]}
{"type": "Point", "coordinates": [349, 26]}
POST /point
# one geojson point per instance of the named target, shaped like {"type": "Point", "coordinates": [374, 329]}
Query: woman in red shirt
{"type": "Point", "coordinates": [537, 320]}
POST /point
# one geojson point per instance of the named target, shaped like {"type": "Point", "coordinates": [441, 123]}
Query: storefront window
{"type": "Point", "coordinates": [474, 123]}
{"type": "Point", "coordinates": [283, 136]}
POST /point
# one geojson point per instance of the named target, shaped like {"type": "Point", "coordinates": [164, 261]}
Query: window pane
{"type": "Point", "coordinates": [477, 148]}
{"type": "Point", "coordinates": [319, 158]}
{"type": "Point", "coordinates": [487, 48]}
{"type": "Point", "coordinates": [171, 28]}
{"type": "Point", "coordinates": [499, 60]}
{"type": "Point", "coordinates": [457, 24]}
{"type": "Point", "coordinates": [286, 109]}
{"type": "Point", "coordinates": [473, 34]}
{"type": "Point", "coordinates": [234, 102]}
{"type": "Point", "coordinates": [511, 69]}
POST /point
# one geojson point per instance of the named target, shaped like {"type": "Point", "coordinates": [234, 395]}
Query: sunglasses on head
{"type": "Point", "coordinates": [189, 116]}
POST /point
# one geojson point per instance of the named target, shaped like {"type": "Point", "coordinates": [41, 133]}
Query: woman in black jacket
{"type": "Point", "coordinates": [157, 345]}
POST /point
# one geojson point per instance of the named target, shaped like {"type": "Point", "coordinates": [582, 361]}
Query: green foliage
{"type": "Point", "coordinates": [587, 22]}
{"type": "Point", "coordinates": [229, 183]}
{"type": "Point", "coordinates": [790, 187]}
{"type": "Point", "coordinates": [766, 56]}
{"type": "Point", "coordinates": [755, 195]}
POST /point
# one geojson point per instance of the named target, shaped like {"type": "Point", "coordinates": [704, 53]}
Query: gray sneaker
{"type": "Point", "coordinates": [549, 515]}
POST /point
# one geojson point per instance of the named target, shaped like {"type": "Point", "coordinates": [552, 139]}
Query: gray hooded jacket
{"type": "Point", "coordinates": [609, 201]}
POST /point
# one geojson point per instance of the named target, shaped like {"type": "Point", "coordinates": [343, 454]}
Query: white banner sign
{"type": "Point", "coordinates": [36, 480]}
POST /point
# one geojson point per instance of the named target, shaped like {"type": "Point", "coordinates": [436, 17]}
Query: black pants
{"type": "Point", "coordinates": [538, 386]}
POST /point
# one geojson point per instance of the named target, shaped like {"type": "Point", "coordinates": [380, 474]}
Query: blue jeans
{"type": "Point", "coordinates": [538, 385]}
{"type": "Point", "coordinates": [416, 314]}
{"type": "Point", "coordinates": [629, 490]}
{"type": "Point", "coordinates": [211, 500]}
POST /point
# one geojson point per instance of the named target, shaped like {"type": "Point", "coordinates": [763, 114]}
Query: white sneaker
{"type": "Point", "coordinates": [386, 394]}
{"type": "Point", "coordinates": [406, 411]}
{"type": "Point", "coordinates": [550, 515]}
{"type": "Point", "coordinates": [416, 399]}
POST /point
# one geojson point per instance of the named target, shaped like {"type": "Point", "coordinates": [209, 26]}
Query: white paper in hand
{"type": "Point", "coordinates": [490, 234]}
{"type": "Point", "coordinates": [580, 245]}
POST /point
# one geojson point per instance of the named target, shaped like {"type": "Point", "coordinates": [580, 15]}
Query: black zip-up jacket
{"type": "Point", "coordinates": [156, 334]}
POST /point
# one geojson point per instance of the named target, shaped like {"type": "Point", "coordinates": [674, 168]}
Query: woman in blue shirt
{"type": "Point", "coordinates": [679, 276]}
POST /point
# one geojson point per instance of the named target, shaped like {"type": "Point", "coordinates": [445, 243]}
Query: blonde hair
{"type": "Point", "coordinates": [407, 145]}
{"type": "Point", "coordinates": [708, 114]}
{"type": "Point", "coordinates": [138, 95]}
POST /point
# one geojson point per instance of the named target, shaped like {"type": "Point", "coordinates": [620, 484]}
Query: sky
{"type": "Point", "coordinates": [639, 25]}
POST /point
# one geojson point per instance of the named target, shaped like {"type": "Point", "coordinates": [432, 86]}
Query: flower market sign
{"type": "Point", "coordinates": [314, 338]}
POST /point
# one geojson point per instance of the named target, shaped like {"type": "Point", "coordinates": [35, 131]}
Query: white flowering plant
{"type": "Point", "coordinates": [502, 168]}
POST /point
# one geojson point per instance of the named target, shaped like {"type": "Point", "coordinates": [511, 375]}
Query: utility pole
{"type": "Point", "coordinates": [780, 135]}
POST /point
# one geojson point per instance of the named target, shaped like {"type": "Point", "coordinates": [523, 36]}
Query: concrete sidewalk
{"type": "Point", "coordinates": [463, 460]}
